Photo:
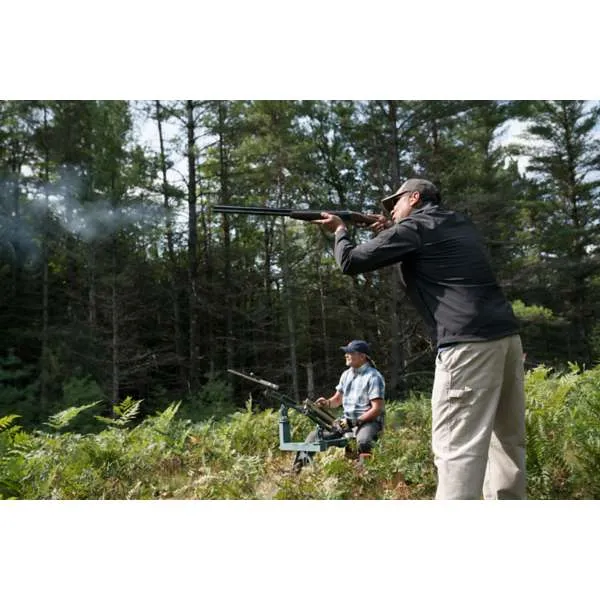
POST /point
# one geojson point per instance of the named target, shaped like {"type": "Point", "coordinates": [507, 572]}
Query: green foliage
{"type": "Point", "coordinates": [213, 400]}
{"type": "Point", "coordinates": [214, 392]}
{"type": "Point", "coordinates": [107, 464]}
{"type": "Point", "coordinates": [166, 456]}
{"type": "Point", "coordinates": [561, 211]}
{"type": "Point", "coordinates": [162, 420]}
{"type": "Point", "coordinates": [594, 342]}
{"type": "Point", "coordinates": [18, 388]}
{"type": "Point", "coordinates": [253, 433]}
{"type": "Point", "coordinates": [106, 258]}
{"type": "Point", "coordinates": [82, 390]}
{"type": "Point", "coordinates": [6, 422]}
{"type": "Point", "coordinates": [543, 332]}
{"type": "Point", "coordinates": [62, 419]}
{"type": "Point", "coordinates": [409, 452]}
{"type": "Point", "coordinates": [533, 312]}
{"type": "Point", "coordinates": [125, 412]}
{"type": "Point", "coordinates": [563, 440]}
{"type": "Point", "coordinates": [12, 442]}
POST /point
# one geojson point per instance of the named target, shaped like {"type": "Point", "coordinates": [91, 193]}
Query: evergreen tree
{"type": "Point", "coordinates": [562, 212]}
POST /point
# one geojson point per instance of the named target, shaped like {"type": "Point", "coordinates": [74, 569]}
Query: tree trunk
{"type": "Point", "coordinates": [290, 314]}
{"type": "Point", "coordinates": [172, 270]}
{"type": "Point", "coordinates": [192, 248]}
{"type": "Point", "coordinates": [115, 329]}
{"type": "Point", "coordinates": [324, 334]}
{"type": "Point", "coordinates": [224, 181]}
{"type": "Point", "coordinates": [92, 307]}
{"type": "Point", "coordinates": [310, 381]}
{"type": "Point", "coordinates": [205, 306]}
{"type": "Point", "coordinates": [45, 354]}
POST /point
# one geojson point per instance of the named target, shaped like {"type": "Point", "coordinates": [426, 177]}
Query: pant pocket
{"type": "Point", "coordinates": [460, 408]}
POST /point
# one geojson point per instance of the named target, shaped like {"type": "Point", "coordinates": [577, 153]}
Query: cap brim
{"type": "Point", "coordinates": [346, 349]}
{"type": "Point", "coordinates": [389, 201]}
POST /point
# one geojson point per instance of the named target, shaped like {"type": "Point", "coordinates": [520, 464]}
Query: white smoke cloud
{"type": "Point", "coordinates": [91, 220]}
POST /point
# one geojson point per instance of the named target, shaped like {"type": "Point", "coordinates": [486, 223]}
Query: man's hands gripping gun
{"type": "Point", "coordinates": [318, 414]}
{"type": "Point", "coordinates": [344, 425]}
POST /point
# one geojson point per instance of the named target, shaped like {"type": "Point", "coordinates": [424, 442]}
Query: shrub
{"type": "Point", "coordinates": [214, 400]}
{"type": "Point", "coordinates": [563, 441]}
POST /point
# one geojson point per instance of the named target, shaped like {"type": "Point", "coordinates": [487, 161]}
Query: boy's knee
{"type": "Point", "coordinates": [365, 443]}
{"type": "Point", "coordinates": [366, 437]}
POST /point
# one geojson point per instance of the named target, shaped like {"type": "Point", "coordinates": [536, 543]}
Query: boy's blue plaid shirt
{"type": "Point", "coordinates": [359, 387]}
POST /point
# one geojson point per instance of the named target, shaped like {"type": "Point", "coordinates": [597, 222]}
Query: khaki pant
{"type": "Point", "coordinates": [478, 420]}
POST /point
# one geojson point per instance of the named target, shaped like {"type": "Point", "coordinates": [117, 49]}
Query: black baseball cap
{"type": "Point", "coordinates": [427, 190]}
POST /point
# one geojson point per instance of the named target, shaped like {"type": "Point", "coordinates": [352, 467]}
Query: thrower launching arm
{"type": "Point", "coordinates": [315, 413]}
{"type": "Point", "coordinates": [326, 422]}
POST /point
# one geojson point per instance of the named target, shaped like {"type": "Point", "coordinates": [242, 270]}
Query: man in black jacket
{"type": "Point", "coordinates": [478, 398]}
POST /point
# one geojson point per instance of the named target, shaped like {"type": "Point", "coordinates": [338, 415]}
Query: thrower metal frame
{"type": "Point", "coordinates": [323, 419]}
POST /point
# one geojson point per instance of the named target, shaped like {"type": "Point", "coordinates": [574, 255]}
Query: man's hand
{"type": "Point", "coordinates": [321, 401]}
{"type": "Point", "coordinates": [382, 223]}
{"type": "Point", "coordinates": [340, 426]}
{"type": "Point", "coordinates": [331, 222]}
{"type": "Point", "coordinates": [345, 424]}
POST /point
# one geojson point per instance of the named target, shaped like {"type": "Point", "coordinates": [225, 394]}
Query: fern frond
{"type": "Point", "coordinates": [106, 420]}
{"type": "Point", "coordinates": [6, 422]}
{"type": "Point", "coordinates": [128, 409]}
{"type": "Point", "coordinates": [164, 418]}
{"type": "Point", "coordinates": [63, 418]}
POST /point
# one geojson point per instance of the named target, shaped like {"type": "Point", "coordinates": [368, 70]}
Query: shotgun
{"type": "Point", "coordinates": [348, 216]}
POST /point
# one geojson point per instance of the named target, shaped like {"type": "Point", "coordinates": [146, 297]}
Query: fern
{"type": "Point", "coordinates": [10, 457]}
{"type": "Point", "coordinates": [238, 457]}
{"type": "Point", "coordinates": [126, 412]}
{"type": "Point", "coordinates": [63, 418]}
{"type": "Point", "coordinates": [6, 422]}
{"type": "Point", "coordinates": [128, 409]}
{"type": "Point", "coordinates": [162, 420]}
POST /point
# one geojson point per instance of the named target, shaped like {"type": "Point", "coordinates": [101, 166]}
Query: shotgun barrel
{"type": "Point", "coordinates": [348, 216]}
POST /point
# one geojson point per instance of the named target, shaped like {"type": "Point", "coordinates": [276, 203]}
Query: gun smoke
{"type": "Point", "coordinates": [29, 209]}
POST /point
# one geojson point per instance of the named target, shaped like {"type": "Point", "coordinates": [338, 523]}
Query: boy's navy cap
{"type": "Point", "coordinates": [357, 346]}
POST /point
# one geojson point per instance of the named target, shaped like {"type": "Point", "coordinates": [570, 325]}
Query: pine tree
{"type": "Point", "coordinates": [563, 210]}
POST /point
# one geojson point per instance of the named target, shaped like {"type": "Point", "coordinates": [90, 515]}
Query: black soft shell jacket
{"type": "Point", "coordinates": [445, 271]}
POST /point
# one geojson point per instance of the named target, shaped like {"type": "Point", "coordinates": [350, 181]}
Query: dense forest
{"type": "Point", "coordinates": [118, 280]}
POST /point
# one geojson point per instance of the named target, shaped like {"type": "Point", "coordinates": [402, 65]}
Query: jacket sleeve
{"type": "Point", "coordinates": [390, 246]}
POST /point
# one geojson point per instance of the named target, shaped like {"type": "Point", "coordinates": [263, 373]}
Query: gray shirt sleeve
{"type": "Point", "coordinates": [376, 386]}
{"type": "Point", "coordinates": [390, 246]}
